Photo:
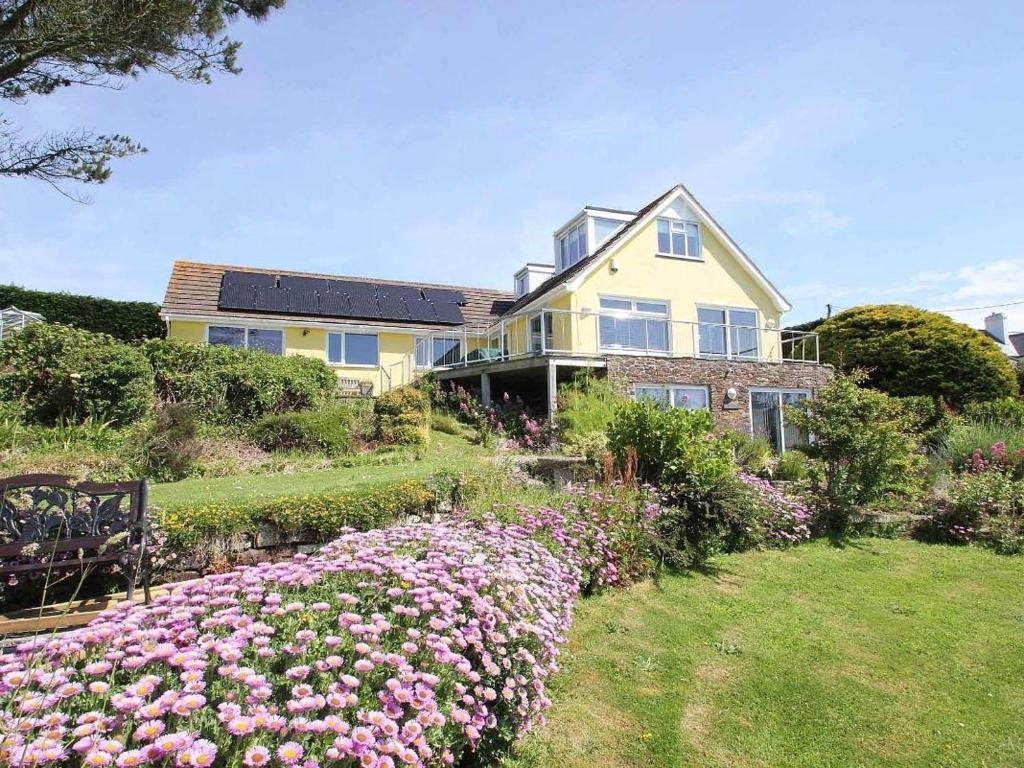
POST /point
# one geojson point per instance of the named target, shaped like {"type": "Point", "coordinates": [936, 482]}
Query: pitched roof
{"type": "Point", "coordinates": [194, 289]}
{"type": "Point", "coordinates": [556, 280]}
{"type": "Point", "coordinates": [583, 264]}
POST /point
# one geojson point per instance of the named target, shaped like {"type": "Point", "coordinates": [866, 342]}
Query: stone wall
{"type": "Point", "coordinates": [718, 376]}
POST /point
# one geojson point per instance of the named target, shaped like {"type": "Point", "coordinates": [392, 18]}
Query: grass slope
{"type": "Point", "coordinates": [444, 452]}
{"type": "Point", "coordinates": [886, 653]}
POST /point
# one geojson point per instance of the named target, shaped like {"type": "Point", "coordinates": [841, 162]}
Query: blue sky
{"type": "Point", "coordinates": [857, 151]}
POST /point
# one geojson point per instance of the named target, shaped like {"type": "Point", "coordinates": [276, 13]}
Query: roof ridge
{"type": "Point", "coordinates": [357, 278]}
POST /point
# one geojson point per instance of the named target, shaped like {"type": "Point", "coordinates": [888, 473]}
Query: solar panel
{"type": "Point", "coordinates": [236, 297]}
{"type": "Point", "coordinates": [449, 313]}
{"type": "Point", "coordinates": [353, 288]}
{"type": "Point", "coordinates": [297, 282]}
{"type": "Point", "coordinates": [271, 299]}
{"type": "Point", "coordinates": [335, 305]}
{"type": "Point", "coordinates": [364, 306]}
{"type": "Point", "coordinates": [392, 308]}
{"type": "Point", "coordinates": [422, 311]}
{"type": "Point", "coordinates": [404, 292]}
{"type": "Point", "coordinates": [304, 301]}
{"type": "Point", "coordinates": [444, 295]}
{"type": "Point", "coordinates": [248, 278]}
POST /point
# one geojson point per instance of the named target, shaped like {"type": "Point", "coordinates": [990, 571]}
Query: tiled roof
{"type": "Point", "coordinates": [556, 280]}
{"type": "Point", "coordinates": [194, 289]}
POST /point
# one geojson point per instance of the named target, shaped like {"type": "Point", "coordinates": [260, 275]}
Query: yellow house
{"type": "Point", "coordinates": [661, 300]}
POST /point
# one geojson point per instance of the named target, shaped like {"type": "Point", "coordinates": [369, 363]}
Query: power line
{"type": "Point", "coordinates": [986, 306]}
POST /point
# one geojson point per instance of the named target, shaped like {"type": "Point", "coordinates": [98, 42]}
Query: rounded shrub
{"type": "Point", "coordinates": [59, 373]}
{"type": "Point", "coordinates": [910, 351]}
{"type": "Point", "coordinates": [403, 416]}
{"type": "Point", "coordinates": [323, 430]}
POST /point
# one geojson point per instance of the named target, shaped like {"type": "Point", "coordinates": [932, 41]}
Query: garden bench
{"type": "Point", "coordinates": [52, 523]}
{"type": "Point", "coordinates": [355, 387]}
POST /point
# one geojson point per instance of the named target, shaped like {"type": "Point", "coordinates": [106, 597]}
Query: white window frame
{"type": "Point", "coordinates": [522, 283]}
{"type": "Point", "coordinates": [670, 254]}
{"type": "Point", "coordinates": [428, 341]}
{"type": "Point", "coordinates": [671, 389]}
{"type": "Point", "coordinates": [562, 260]}
{"type": "Point", "coordinates": [637, 314]}
{"type": "Point", "coordinates": [729, 325]}
{"type": "Point", "coordinates": [344, 363]}
{"type": "Point", "coordinates": [779, 392]}
{"type": "Point", "coordinates": [247, 329]}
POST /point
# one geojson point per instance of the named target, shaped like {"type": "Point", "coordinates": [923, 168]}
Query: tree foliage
{"type": "Point", "coordinates": [910, 351]}
{"type": "Point", "coordinates": [46, 45]}
{"type": "Point", "coordinates": [124, 320]}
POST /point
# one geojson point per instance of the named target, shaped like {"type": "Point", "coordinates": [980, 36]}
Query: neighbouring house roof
{"type": "Point", "coordinates": [194, 290]}
{"type": "Point", "coordinates": [640, 218]}
{"type": "Point", "coordinates": [1016, 342]}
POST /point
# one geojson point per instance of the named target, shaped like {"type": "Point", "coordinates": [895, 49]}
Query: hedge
{"type": "Point", "coordinates": [403, 416]}
{"type": "Point", "coordinates": [124, 320]}
{"type": "Point", "coordinates": [55, 372]}
{"type": "Point", "coordinates": [236, 385]}
{"type": "Point", "coordinates": [324, 513]}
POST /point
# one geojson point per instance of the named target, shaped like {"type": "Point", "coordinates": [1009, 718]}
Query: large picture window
{"type": "Point", "coordinates": [572, 246]}
{"type": "Point", "coordinates": [362, 349]}
{"type": "Point", "coordinates": [634, 324]}
{"type": "Point", "coordinates": [726, 332]}
{"type": "Point", "coordinates": [268, 339]}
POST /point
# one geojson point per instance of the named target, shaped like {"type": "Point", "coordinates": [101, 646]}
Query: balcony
{"type": "Point", "coordinates": [555, 333]}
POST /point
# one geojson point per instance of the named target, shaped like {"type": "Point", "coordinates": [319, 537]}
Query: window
{"type": "Point", "coordinates": [572, 246]}
{"type": "Point", "coordinates": [686, 396]}
{"type": "Point", "coordinates": [768, 417]}
{"type": "Point", "coordinates": [437, 351]}
{"type": "Point", "coordinates": [353, 349]}
{"type": "Point", "coordinates": [728, 332]}
{"type": "Point", "coordinates": [521, 283]}
{"type": "Point", "coordinates": [603, 229]}
{"type": "Point", "coordinates": [268, 340]}
{"type": "Point", "coordinates": [548, 331]}
{"type": "Point", "coordinates": [679, 238]}
{"type": "Point", "coordinates": [633, 324]}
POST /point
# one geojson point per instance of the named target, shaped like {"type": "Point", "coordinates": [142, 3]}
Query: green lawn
{"type": "Point", "coordinates": [444, 452]}
{"type": "Point", "coordinates": [885, 653]}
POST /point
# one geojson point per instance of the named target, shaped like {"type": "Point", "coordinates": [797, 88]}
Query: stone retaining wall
{"type": "Point", "coordinates": [719, 376]}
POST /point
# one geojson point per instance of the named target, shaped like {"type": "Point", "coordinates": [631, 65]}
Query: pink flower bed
{"type": "Point", "coordinates": [406, 646]}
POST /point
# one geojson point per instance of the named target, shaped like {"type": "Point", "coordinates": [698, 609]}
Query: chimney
{"type": "Point", "coordinates": [995, 326]}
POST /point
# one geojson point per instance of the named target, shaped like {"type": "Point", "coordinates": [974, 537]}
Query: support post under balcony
{"type": "Point", "coordinates": [552, 390]}
{"type": "Point", "coordinates": [485, 388]}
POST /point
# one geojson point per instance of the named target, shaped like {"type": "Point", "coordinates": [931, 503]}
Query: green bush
{"type": "Point", "coordinates": [909, 351]}
{"type": "Point", "coordinates": [323, 430]}
{"type": "Point", "coordinates": [792, 465]}
{"type": "Point", "coordinates": [672, 446]}
{"type": "Point", "coordinates": [586, 405]}
{"type": "Point", "coordinates": [168, 448]}
{"type": "Point", "coordinates": [593, 446]}
{"type": "Point", "coordinates": [124, 320]}
{"type": "Point", "coordinates": [56, 373]}
{"type": "Point", "coordinates": [932, 418]}
{"type": "Point", "coordinates": [237, 386]}
{"type": "Point", "coordinates": [445, 422]}
{"type": "Point", "coordinates": [324, 514]}
{"type": "Point", "coordinates": [865, 449]}
{"type": "Point", "coordinates": [1006, 411]}
{"type": "Point", "coordinates": [403, 416]}
{"type": "Point", "coordinates": [966, 438]}
{"type": "Point", "coordinates": [753, 453]}
{"type": "Point", "coordinates": [984, 506]}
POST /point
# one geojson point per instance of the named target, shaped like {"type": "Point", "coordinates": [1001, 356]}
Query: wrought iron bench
{"type": "Point", "coordinates": [50, 523]}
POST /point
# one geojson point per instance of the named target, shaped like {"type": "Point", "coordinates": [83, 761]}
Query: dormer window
{"type": "Point", "coordinates": [521, 285]}
{"type": "Point", "coordinates": [572, 246]}
{"type": "Point", "coordinates": [680, 239]}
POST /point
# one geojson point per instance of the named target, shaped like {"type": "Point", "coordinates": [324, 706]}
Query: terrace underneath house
{"type": "Point", "coordinates": [661, 300]}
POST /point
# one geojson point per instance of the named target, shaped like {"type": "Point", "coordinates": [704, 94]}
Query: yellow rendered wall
{"type": "Point", "coordinates": [395, 361]}
{"type": "Point", "coordinates": [718, 279]}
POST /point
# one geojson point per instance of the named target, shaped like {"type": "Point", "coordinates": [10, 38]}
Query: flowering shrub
{"type": "Point", "coordinates": [508, 417]}
{"type": "Point", "coordinates": [783, 520]}
{"type": "Point", "coordinates": [997, 458]}
{"type": "Point", "coordinates": [408, 646]}
{"type": "Point", "coordinates": [605, 533]}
